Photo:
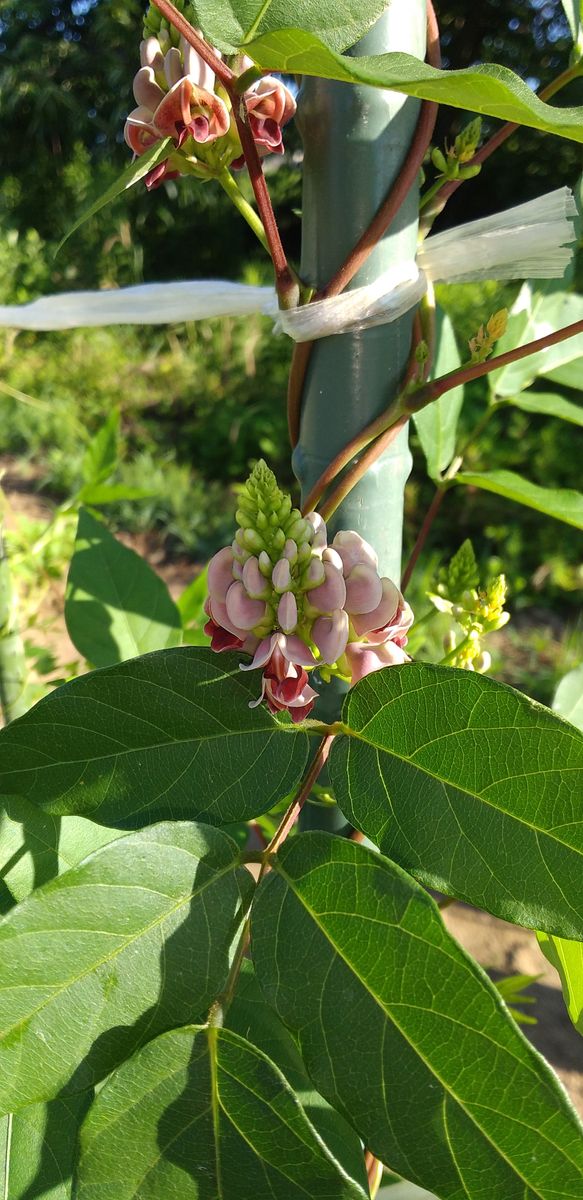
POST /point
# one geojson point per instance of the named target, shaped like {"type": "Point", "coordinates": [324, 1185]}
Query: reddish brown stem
{"type": "Point", "coordinates": [437, 387]}
{"type": "Point", "coordinates": [428, 520]}
{"type": "Point", "coordinates": [284, 282]}
{"type": "Point", "coordinates": [194, 39]}
{"type": "Point", "coordinates": [298, 802]}
{"type": "Point", "coordinates": [352, 477]}
{"type": "Point", "coordinates": [381, 221]}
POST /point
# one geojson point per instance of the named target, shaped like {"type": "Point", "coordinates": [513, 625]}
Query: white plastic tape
{"type": "Point", "coordinates": [533, 240]}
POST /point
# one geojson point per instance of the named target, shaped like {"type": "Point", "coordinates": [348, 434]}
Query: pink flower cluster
{"type": "Point", "coordinates": [176, 98]}
{"type": "Point", "coordinates": [304, 606]}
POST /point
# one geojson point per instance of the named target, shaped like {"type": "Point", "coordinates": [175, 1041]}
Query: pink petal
{"type": "Point", "coordinates": [381, 616]}
{"type": "Point", "coordinates": [364, 590]}
{"type": "Point", "coordinates": [219, 614]}
{"type": "Point", "coordinates": [256, 585]}
{"type": "Point", "coordinates": [320, 538]}
{"type": "Point", "coordinates": [151, 54]}
{"type": "Point", "coordinates": [244, 612]}
{"type": "Point", "coordinates": [314, 573]}
{"type": "Point", "coordinates": [173, 69]}
{"type": "Point", "coordinates": [200, 73]}
{"type": "Point", "coordinates": [138, 132]}
{"type": "Point", "coordinates": [220, 574]}
{"type": "Point", "coordinates": [331, 594]}
{"type": "Point", "coordinates": [365, 659]}
{"type": "Point", "coordinates": [296, 651]}
{"type": "Point", "coordinates": [281, 575]}
{"type": "Point", "coordinates": [353, 550]}
{"type": "Point", "coordinates": [262, 654]}
{"type": "Point", "coordinates": [173, 112]}
{"type": "Point", "coordinates": [147, 92]}
{"type": "Point", "coordinates": [330, 635]}
{"type": "Point", "coordinates": [287, 612]}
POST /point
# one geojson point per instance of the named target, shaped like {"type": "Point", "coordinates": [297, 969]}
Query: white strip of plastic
{"type": "Point", "coordinates": [529, 241]}
{"type": "Point", "coordinates": [145, 304]}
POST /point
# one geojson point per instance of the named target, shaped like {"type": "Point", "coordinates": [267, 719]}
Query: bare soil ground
{"type": "Point", "coordinates": [501, 948]}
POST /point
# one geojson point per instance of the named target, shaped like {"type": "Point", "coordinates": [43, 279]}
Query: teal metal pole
{"type": "Point", "coordinates": [356, 140]}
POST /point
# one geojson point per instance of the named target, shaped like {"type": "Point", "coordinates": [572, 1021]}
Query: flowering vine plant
{"type": "Point", "coordinates": [224, 972]}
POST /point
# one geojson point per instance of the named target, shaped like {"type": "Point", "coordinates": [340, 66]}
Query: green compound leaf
{"type": "Point", "coordinates": [229, 24]}
{"type": "Point", "coordinates": [564, 504]}
{"type": "Point", "coordinates": [251, 1017]}
{"type": "Point", "coordinates": [437, 423]}
{"type": "Point", "coordinates": [132, 174]}
{"type": "Point", "coordinates": [200, 1114]}
{"type": "Point", "coordinates": [167, 735]}
{"type": "Point", "coordinates": [492, 90]}
{"type": "Point", "coordinates": [116, 606]}
{"type": "Point", "coordinates": [567, 958]}
{"type": "Point", "coordinates": [404, 1033]}
{"type": "Point", "coordinates": [470, 786]}
{"type": "Point", "coordinates": [130, 943]}
{"type": "Point", "coordinates": [548, 404]}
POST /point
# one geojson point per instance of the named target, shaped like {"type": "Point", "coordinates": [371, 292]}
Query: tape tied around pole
{"type": "Point", "coordinates": [532, 240]}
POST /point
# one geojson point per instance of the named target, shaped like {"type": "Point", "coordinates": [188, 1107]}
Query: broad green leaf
{"type": "Point", "coordinates": [35, 846]}
{"type": "Point", "coordinates": [251, 1017]}
{"type": "Point", "coordinates": [101, 456]}
{"type": "Point", "coordinates": [567, 958]}
{"type": "Point", "coordinates": [201, 1113]}
{"type": "Point", "coordinates": [569, 375]}
{"type": "Point", "coordinates": [437, 424]}
{"type": "Point", "coordinates": [549, 405]}
{"type": "Point", "coordinates": [132, 174]}
{"type": "Point", "coordinates": [564, 504]}
{"type": "Point", "coordinates": [167, 735]}
{"type": "Point", "coordinates": [403, 1032]}
{"type": "Point", "coordinates": [489, 89]}
{"type": "Point", "coordinates": [43, 1149]}
{"type": "Point", "coordinates": [116, 606]}
{"type": "Point", "coordinates": [536, 313]}
{"type": "Point", "coordinates": [133, 941]}
{"type": "Point", "coordinates": [568, 698]}
{"type": "Point", "coordinates": [471, 787]}
{"type": "Point", "coordinates": [229, 24]}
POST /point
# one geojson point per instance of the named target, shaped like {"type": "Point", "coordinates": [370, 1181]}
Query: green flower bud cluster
{"type": "Point", "coordinates": [451, 164]}
{"type": "Point", "coordinates": [478, 611]}
{"type": "Point", "coordinates": [155, 25]}
{"type": "Point", "coordinates": [277, 555]}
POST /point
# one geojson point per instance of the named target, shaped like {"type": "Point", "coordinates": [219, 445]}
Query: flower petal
{"type": "Point", "coordinates": [353, 550]}
{"type": "Point", "coordinates": [220, 574]}
{"type": "Point", "coordinates": [244, 612]}
{"type": "Point", "coordinates": [331, 594]}
{"type": "Point", "coordinates": [364, 589]}
{"type": "Point", "coordinates": [385, 612]}
{"type": "Point", "coordinates": [287, 612]}
{"type": "Point", "coordinates": [330, 635]}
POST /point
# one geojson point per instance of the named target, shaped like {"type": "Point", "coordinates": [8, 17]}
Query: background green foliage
{"type": "Point", "coordinates": [198, 403]}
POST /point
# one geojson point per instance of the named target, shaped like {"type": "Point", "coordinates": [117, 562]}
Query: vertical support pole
{"type": "Point", "coordinates": [355, 142]}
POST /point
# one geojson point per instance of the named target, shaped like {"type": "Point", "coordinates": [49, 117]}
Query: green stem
{"type": "Point", "coordinates": [242, 205]}
{"type": "Point", "coordinates": [444, 662]}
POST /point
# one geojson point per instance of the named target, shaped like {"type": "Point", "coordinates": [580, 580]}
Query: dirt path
{"type": "Point", "coordinates": [501, 948]}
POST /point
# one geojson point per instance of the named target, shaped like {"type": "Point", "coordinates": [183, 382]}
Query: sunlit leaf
{"type": "Point", "coordinates": [167, 735]}
{"type": "Point", "coordinates": [401, 1030]}
{"type": "Point", "coordinates": [489, 89]}
{"type": "Point", "coordinates": [564, 504]}
{"type": "Point", "coordinates": [471, 787]}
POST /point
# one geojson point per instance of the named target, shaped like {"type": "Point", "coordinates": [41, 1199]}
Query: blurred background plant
{"type": "Point", "coordinates": [198, 403]}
